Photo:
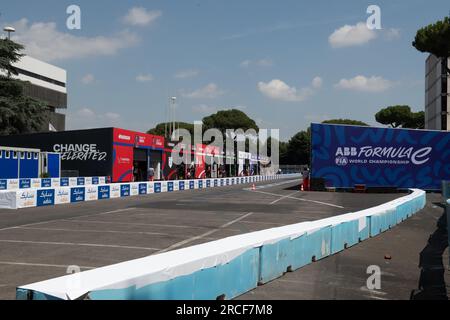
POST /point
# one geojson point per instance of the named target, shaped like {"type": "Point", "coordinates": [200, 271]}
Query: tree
{"type": "Point", "coordinates": [416, 121]}
{"type": "Point", "coordinates": [160, 128]}
{"type": "Point", "coordinates": [9, 54]}
{"type": "Point", "coordinates": [401, 116]}
{"type": "Point", "coordinates": [229, 119]}
{"type": "Point", "coordinates": [299, 148]}
{"type": "Point", "coordinates": [346, 121]}
{"type": "Point", "coordinates": [18, 113]}
{"type": "Point", "coordinates": [435, 39]}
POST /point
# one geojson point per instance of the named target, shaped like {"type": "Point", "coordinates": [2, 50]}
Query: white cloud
{"type": "Point", "coordinates": [210, 91]}
{"type": "Point", "coordinates": [204, 109]}
{"type": "Point", "coordinates": [43, 41]}
{"type": "Point", "coordinates": [317, 82]}
{"type": "Point", "coordinates": [85, 118]}
{"type": "Point", "coordinates": [279, 90]}
{"type": "Point", "coordinates": [392, 34]}
{"type": "Point", "coordinates": [365, 84]}
{"type": "Point", "coordinates": [259, 63]}
{"type": "Point", "coordinates": [351, 35]}
{"type": "Point", "coordinates": [183, 74]}
{"type": "Point", "coordinates": [139, 16]}
{"type": "Point", "coordinates": [88, 79]}
{"type": "Point", "coordinates": [144, 78]}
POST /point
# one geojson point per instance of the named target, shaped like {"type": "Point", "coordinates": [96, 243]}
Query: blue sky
{"type": "Point", "coordinates": [285, 63]}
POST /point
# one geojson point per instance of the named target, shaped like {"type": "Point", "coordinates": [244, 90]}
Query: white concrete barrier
{"type": "Point", "coordinates": [227, 267]}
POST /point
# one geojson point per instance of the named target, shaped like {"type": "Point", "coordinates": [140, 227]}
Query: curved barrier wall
{"type": "Point", "coordinates": [228, 267]}
{"type": "Point", "coordinates": [14, 184]}
{"type": "Point", "coordinates": [79, 190]}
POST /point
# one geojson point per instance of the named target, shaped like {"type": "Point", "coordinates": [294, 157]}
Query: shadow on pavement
{"type": "Point", "coordinates": [432, 284]}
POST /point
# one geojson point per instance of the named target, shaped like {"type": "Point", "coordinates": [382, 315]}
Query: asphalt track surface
{"type": "Point", "coordinates": [40, 243]}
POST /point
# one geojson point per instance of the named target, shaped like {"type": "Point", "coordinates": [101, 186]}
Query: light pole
{"type": "Point", "coordinates": [9, 30]}
{"type": "Point", "coordinates": [173, 101]}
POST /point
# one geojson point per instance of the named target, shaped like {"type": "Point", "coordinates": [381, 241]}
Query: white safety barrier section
{"type": "Point", "coordinates": [228, 267]}
{"type": "Point", "coordinates": [28, 183]}
{"type": "Point", "coordinates": [77, 192]}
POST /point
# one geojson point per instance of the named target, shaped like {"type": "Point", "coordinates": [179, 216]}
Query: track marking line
{"type": "Point", "coordinates": [265, 186]}
{"type": "Point", "coordinates": [63, 219]}
{"type": "Point", "coordinates": [40, 265]}
{"type": "Point", "coordinates": [79, 244]}
{"type": "Point", "coordinates": [283, 197]}
{"type": "Point", "coordinates": [140, 224]}
{"type": "Point", "coordinates": [96, 231]}
{"type": "Point", "coordinates": [206, 234]}
{"type": "Point", "coordinates": [300, 199]}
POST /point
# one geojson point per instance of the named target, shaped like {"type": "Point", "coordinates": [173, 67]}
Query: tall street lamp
{"type": "Point", "coordinates": [9, 30]}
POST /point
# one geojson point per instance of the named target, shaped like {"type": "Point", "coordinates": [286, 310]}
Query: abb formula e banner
{"type": "Point", "coordinates": [380, 157]}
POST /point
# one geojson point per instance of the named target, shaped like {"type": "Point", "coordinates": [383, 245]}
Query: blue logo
{"type": "Point", "coordinates": [24, 183]}
{"type": "Point", "coordinates": [125, 190]}
{"type": "Point", "coordinates": [228, 182]}
{"type": "Point", "coordinates": [208, 183]}
{"type": "Point", "coordinates": [170, 186]}
{"type": "Point", "coordinates": [46, 183]}
{"type": "Point", "coordinates": [3, 184]}
{"type": "Point", "coordinates": [45, 197]}
{"type": "Point", "coordinates": [95, 180]}
{"type": "Point", "coordinates": [77, 194]}
{"type": "Point", "coordinates": [142, 188]}
{"type": "Point", "coordinates": [181, 185]}
{"type": "Point", "coordinates": [157, 187]}
{"type": "Point", "coordinates": [215, 183]}
{"type": "Point", "coordinates": [200, 184]}
{"type": "Point", "coordinates": [222, 182]}
{"type": "Point", "coordinates": [347, 155]}
{"type": "Point", "coordinates": [64, 182]}
{"type": "Point", "coordinates": [191, 185]}
{"type": "Point", "coordinates": [80, 182]}
{"type": "Point", "coordinates": [103, 192]}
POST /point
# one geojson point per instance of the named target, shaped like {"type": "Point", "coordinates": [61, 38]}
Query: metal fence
{"type": "Point", "coordinates": [291, 168]}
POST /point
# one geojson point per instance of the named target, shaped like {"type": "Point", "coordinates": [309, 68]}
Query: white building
{"type": "Point", "coordinates": [437, 94]}
{"type": "Point", "coordinates": [47, 83]}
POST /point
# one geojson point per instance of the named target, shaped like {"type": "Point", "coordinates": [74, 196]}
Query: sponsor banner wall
{"type": "Point", "coordinates": [25, 183]}
{"type": "Point", "coordinates": [64, 182]}
{"type": "Point", "coordinates": [73, 182]}
{"type": "Point", "coordinates": [13, 184]}
{"type": "Point", "coordinates": [134, 189]}
{"type": "Point", "coordinates": [26, 198]}
{"type": "Point", "coordinates": [77, 194]}
{"type": "Point", "coordinates": [62, 195]}
{"type": "Point", "coordinates": [142, 188]}
{"type": "Point", "coordinates": [380, 157]}
{"type": "Point", "coordinates": [56, 182]}
{"type": "Point", "coordinates": [46, 183]}
{"type": "Point", "coordinates": [104, 192]}
{"type": "Point", "coordinates": [36, 183]}
{"type": "Point", "coordinates": [91, 193]}
{"type": "Point", "coordinates": [150, 187]}
{"type": "Point", "coordinates": [115, 191]}
{"type": "Point", "coordinates": [45, 197]}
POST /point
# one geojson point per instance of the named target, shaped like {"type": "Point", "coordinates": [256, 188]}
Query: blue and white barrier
{"type": "Point", "coordinates": [228, 267]}
{"type": "Point", "coordinates": [15, 184]}
{"type": "Point", "coordinates": [79, 190]}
